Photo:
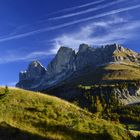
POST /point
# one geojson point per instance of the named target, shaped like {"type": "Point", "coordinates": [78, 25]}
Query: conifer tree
{"type": "Point", "coordinates": [98, 106]}
{"type": "Point", "coordinates": [6, 90]}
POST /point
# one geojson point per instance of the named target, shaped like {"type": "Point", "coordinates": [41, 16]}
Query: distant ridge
{"type": "Point", "coordinates": [67, 61]}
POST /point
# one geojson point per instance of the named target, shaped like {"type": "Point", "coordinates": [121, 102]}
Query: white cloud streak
{"type": "Point", "coordinates": [78, 7]}
{"type": "Point", "coordinates": [86, 11]}
{"type": "Point", "coordinates": [86, 34]}
{"type": "Point", "coordinates": [29, 57]}
{"type": "Point", "coordinates": [70, 23]}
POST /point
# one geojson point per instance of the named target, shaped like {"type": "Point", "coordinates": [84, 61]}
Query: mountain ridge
{"type": "Point", "coordinates": [67, 62]}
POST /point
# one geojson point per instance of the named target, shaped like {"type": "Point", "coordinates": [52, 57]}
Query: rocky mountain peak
{"type": "Point", "coordinates": [118, 47]}
{"type": "Point", "coordinates": [34, 72]}
{"type": "Point", "coordinates": [30, 78]}
{"type": "Point", "coordinates": [62, 62]}
{"type": "Point", "coordinates": [35, 64]}
{"type": "Point", "coordinates": [67, 62]}
{"type": "Point", "coordinates": [64, 49]}
{"type": "Point", "coordinates": [83, 48]}
{"type": "Point", "coordinates": [113, 47]}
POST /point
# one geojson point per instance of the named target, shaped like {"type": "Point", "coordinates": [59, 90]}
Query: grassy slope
{"type": "Point", "coordinates": [110, 72]}
{"type": "Point", "coordinates": [29, 115]}
{"type": "Point", "coordinates": [122, 72]}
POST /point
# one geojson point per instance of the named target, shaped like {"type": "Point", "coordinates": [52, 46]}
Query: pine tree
{"type": "Point", "coordinates": [92, 103]}
{"type": "Point", "coordinates": [6, 90]}
{"type": "Point", "coordinates": [98, 106]}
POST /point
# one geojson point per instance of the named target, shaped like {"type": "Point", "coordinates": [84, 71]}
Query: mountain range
{"type": "Point", "coordinates": [108, 66]}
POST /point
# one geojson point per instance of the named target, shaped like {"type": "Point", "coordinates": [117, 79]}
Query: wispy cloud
{"type": "Point", "coordinates": [15, 57]}
{"type": "Point", "coordinates": [111, 32]}
{"type": "Point", "coordinates": [69, 23]}
{"type": "Point", "coordinates": [100, 7]}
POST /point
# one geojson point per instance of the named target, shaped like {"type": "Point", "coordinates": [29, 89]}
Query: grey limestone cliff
{"type": "Point", "coordinates": [32, 76]}
{"type": "Point", "coordinates": [67, 61]}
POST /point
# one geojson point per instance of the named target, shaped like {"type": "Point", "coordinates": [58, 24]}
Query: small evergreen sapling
{"type": "Point", "coordinates": [6, 90]}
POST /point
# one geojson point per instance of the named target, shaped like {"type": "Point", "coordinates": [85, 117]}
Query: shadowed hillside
{"type": "Point", "coordinates": [29, 115]}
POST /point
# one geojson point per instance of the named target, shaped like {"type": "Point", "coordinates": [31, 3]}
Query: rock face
{"type": "Point", "coordinates": [32, 77]}
{"type": "Point", "coordinates": [62, 64]}
{"type": "Point", "coordinates": [66, 62]}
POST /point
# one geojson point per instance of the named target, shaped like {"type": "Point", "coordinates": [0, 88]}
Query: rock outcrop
{"type": "Point", "coordinates": [62, 64]}
{"type": "Point", "coordinates": [31, 78]}
{"type": "Point", "coordinates": [66, 62]}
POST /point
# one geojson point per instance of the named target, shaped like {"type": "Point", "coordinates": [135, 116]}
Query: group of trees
{"type": "Point", "coordinates": [102, 106]}
{"type": "Point", "coordinates": [107, 106]}
{"type": "Point", "coordinates": [111, 109]}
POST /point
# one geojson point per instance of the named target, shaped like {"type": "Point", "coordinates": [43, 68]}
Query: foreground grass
{"type": "Point", "coordinates": [29, 115]}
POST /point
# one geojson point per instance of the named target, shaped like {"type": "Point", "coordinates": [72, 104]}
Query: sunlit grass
{"type": "Point", "coordinates": [44, 116]}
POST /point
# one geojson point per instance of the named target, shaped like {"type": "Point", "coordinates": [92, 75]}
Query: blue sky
{"type": "Point", "coordinates": [35, 29]}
